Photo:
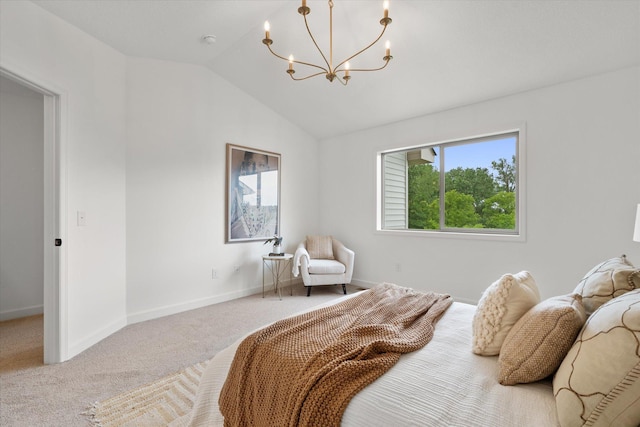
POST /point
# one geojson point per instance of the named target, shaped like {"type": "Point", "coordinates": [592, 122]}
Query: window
{"type": "Point", "coordinates": [464, 186]}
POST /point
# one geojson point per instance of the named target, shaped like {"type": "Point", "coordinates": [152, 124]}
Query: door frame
{"type": "Point", "coordinates": [55, 202]}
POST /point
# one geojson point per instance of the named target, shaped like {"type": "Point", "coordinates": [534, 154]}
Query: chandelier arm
{"type": "Point", "coordinates": [307, 77]}
{"type": "Point", "coordinates": [306, 23]}
{"type": "Point", "coordinates": [370, 69]}
{"type": "Point", "coordinates": [343, 82]}
{"type": "Point", "coordinates": [296, 61]}
{"type": "Point", "coordinates": [324, 70]}
{"type": "Point", "coordinates": [358, 53]}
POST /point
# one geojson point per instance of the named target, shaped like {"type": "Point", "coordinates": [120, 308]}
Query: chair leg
{"type": "Point", "coordinates": [308, 290]}
{"type": "Point", "coordinates": [344, 288]}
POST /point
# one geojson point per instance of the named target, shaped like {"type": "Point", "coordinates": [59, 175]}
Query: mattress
{"type": "Point", "coordinates": [443, 384]}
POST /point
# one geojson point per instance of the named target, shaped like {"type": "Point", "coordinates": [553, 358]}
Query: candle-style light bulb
{"type": "Point", "coordinates": [304, 3]}
{"type": "Point", "coordinates": [346, 69]}
{"type": "Point", "coordinates": [291, 62]}
{"type": "Point", "coordinates": [385, 6]}
{"type": "Point", "coordinates": [267, 27]}
{"type": "Point", "coordinates": [387, 46]}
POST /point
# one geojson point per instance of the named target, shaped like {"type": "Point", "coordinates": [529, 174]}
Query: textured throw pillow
{"type": "Point", "coordinates": [606, 281]}
{"type": "Point", "coordinates": [539, 341]}
{"type": "Point", "coordinates": [500, 307]}
{"type": "Point", "coordinates": [320, 247]}
{"type": "Point", "coordinates": [598, 383]}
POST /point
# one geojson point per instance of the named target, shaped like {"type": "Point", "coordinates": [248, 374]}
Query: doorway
{"type": "Point", "coordinates": [52, 172]}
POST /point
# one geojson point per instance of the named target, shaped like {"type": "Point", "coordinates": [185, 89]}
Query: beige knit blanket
{"type": "Point", "coordinates": [303, 371]}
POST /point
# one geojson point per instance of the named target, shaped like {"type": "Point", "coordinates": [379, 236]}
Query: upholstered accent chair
{"type": "Point", "coordinates": [323, 260]}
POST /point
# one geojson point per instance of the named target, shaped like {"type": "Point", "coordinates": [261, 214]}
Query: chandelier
{"type": "Point", "coordinates": [342, 70]}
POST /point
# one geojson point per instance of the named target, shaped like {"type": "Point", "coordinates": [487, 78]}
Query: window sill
{"type": "Point", "coordinates": [454, 235]}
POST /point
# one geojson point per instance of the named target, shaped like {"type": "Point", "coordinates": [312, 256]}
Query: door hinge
{"type": "Point", "coordinates": [58, 242]}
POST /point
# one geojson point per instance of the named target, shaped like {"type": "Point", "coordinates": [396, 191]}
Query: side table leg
{"type": "Point", "coordinates": [278, 272]}
{"type": "Point", "coordinates": [290, 267]}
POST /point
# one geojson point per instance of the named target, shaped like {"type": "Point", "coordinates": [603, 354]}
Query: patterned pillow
{"type": "Point", "coordinates": [320, 247]}
{"type": "Point", "coordinates": [500, 307]}
{"type": "Point", "coordinates": [607, 280]}
{"type": "Point", "coordinates": [598, 383]}
{"type": "Point", "coordinates": [539, 341]}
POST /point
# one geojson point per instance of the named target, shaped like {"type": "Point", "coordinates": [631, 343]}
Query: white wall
{"type": "Point", "coordinates": [21, 202]}
{"type": "Point", "coordinates": [152, 239]}
{"type": "Point", "coordinates": [92, 77]}
{"type": "Point", "coordinates": [583, 183]}
{"type": "Point", "coordinates": [179, 119]}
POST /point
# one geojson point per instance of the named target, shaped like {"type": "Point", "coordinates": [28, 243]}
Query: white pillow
{"type": "Point", "coordinates": [501, 305]}
{"type": "Point", "coordinates": [598, 382]}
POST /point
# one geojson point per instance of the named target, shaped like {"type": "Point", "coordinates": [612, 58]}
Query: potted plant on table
{"type": "Point", "coordinates": [277, 244]}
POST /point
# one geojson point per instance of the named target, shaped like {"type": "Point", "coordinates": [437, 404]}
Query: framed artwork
{"type": "Point", "coordinates": [253, 194]}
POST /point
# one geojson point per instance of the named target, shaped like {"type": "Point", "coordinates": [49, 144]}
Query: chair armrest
{"type": "Point", "coordinates": [345, 256]}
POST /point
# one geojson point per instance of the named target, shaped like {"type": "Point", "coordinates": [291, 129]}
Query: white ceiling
{"type": "Point", "coordinates": [446, 53]}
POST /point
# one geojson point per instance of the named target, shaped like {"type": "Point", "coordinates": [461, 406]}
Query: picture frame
{"type": "Point", "coordinates": [252, 194]}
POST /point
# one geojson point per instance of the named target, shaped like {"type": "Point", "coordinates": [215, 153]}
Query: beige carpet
{"type": "Point", "coordinates": [34, 394]}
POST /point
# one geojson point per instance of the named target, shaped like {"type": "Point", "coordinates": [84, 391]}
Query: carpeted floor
{"type": "Point", "coordinates": [33, 394]}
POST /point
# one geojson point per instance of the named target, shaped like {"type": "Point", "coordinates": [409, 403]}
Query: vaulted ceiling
{"type": "Point", "coordinates": [446, 53]}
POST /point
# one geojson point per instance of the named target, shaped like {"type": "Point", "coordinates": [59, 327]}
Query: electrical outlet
{"type": "Point", "coordinates": [214, 273]}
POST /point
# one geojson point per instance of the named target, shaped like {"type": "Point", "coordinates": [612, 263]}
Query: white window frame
{"type": "Point", "coordinates": [470, 234]}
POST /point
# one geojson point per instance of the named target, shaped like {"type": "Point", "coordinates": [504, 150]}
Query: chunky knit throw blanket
{"type": "Point", "coordinates": [303, 370]}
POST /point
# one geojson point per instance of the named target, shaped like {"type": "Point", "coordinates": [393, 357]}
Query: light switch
{"type": "Point", "coordinates": [82, 218]}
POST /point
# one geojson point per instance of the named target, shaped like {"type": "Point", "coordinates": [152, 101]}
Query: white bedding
{"type": "Point", "coordinates": [443, 384]}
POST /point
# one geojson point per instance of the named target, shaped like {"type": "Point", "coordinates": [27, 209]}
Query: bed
{"type": "Point", "coordinates": [443, 384]}
{"type": "Point", "coordinates": [576, 358]}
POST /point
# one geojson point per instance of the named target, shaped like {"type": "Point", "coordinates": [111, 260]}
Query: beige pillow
{"type": "Point", "coordinates": [598, 383]}
{"type": "Point", "coordinates": [500, 307]}
{"type": "Point", "coordinates": [607, 280]}
{"type": "Point", "coordinates": [539, 341]}
{"type": "Point", "coordinates": [320, 247]}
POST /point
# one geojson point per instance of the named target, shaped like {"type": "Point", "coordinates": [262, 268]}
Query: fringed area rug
{"type": "Point", "coordinates": [155, 404]}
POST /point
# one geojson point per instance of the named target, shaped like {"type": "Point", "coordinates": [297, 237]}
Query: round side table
{"type": "Point", "coordinates": [277, 265]}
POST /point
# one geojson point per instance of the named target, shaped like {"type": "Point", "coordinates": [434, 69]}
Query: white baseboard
{"type": "Point", "coordinates": [83, 344]}
{"type": "Point", "coordinates": [364, 283]}
{"type": "Point", "coordinates": [168, 310]}
{"type": "Point", "coordinates": [21, 312]}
